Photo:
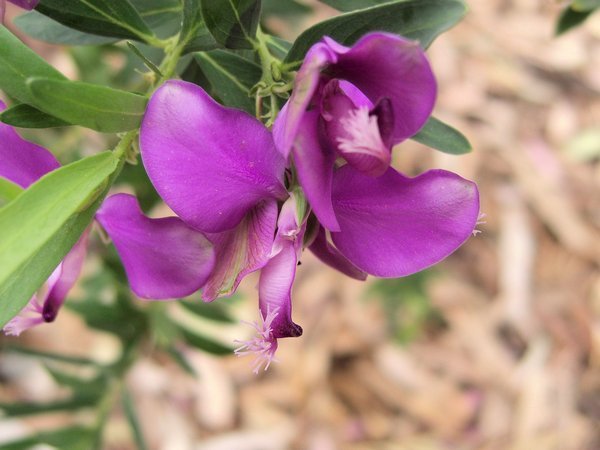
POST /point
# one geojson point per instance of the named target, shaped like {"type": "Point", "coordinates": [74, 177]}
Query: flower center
{"type": "Point", "coordinates": [361, 133]}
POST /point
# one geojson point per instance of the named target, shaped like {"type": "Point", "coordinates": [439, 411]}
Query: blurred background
{"type": "Point", "coordinates": [496, 348]}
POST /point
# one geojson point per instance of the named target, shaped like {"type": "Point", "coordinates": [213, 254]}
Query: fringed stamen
{"type": "Point", "coordinates": [363, 133]}
{"type": "Point", "coordinates": [263, 346]}
{"type": "Point", "coordinates": [480, 221]}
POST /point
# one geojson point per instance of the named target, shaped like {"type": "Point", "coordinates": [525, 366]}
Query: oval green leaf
{"type": "Point", "coordinates": [43, 28]}
{"type": "Point", "coordinates": [443, 137]}
{"type": "Point", "coordinates": [233, 23]}
{"type": "Point", "coordinates": [353, 5]}
{"type": "Point", "coordinates": [26, 116]}
{"type": "Point", "coordinates": [17, 63]}
{"type": "Point", "coordinates": [421, 20]}
{"type": "Point", "coordinates": [42, 224]}
{"type": "Point", "coordinates": [231, 77]}
{"type": "Point", "coordinates": [112, 18]}
{"type": "Point", "coordinates": [8, 191]}
{"type": "Point", "coordinates": [97, 107]}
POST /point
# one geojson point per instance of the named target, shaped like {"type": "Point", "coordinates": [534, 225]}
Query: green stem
{"type": "Point", "coordinates": [271, 73]}
{"type": "Point", "coordinates": [122, 149]}
{"type": "Point", "coordinates": [169, 64]}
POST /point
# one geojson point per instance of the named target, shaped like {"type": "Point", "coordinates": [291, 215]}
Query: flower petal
{"type": "Point", "coordinates": [306, 83]}
{"type": "Point", "coordinates": [275, 290]}
{"type": "Point", "coordinates": [384, 65]}
{"type": "Point", "coordinates": [22, 162]}
{"type": "Point", "coordinates": [331, 256]}
{"type": "Point", "coordinates": [242, 250]}
{"type": "Point", "coordinates": [394, 226]}
{"type": "Point", "coordinates": [277, 277]}
{"type": "Point", "coordinates": [314, 162]}
{"type": "Point", "coordinates": [64, 277]}
{"type": "Point", "coordinates": [25, 4]}
{"type": "Point", "coordinates": [163, 258]}
{"type": "Point", "coordinates": [209, 163]}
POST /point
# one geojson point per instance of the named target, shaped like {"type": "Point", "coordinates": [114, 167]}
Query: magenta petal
{"type": "Point", "coordinates": [163, 258]}
{"type": "Point", "coordinates": [64, 277]}
{"type": "Point", "coordinates": [275, 290]}
{"type": "Point", "coordinates": [394, 226]}
{"type": "Point", "coordinates": [22, 162]}
{"type": "Point", "coordinates": [305, 85]}
{"type": "Point", "coordinates": [25, 4]}
{"type": "Point", "coordinates": [314, 165]}
{"type": "Point", "coordinates": [242, 250]}
{"type": "Point", "coordinates": [209, 163]}
{"type": "Point", "coordinates": [331, 256]}
{"type": "Point", "coordinates": [277, 277]}
{"type": "Point", "coordinates": [384, 65]}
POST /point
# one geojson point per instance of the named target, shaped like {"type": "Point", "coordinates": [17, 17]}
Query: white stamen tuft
{"type": "Point", "coordinates": [480, 221]}
{"type": "Point", "coordinates": [263, 346]}
{"type": "Point", "coordinates": [362, 133]}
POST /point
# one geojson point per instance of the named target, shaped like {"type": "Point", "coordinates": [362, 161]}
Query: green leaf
{"type": "Point", "coordinates": [70, 438]}
{"type": "Point", "coordinates": [17, 63]}
{"type": "Point", "coordinates": [192, 20]}
{"type": "Point", "coordinates": [201, 41]}
{"type": "Point", "coordinates": [112, 18]}
{"type": "Point", "coordinates": [42, 224]}
{"type": "Point", "coordinates": [26, 116]}
{"type": "Point", "coordinates": [45, 29]}
{"type": "Point", "coordinates": [203, 343]}
{"type": "Point", "coordinates": [110, 318]}
{"type": "Point", "coordinates": [181, 361]}
{"type": "Point", "coordinates": [278, 47]}
{"type": "Point", "coordinates": [284, 8]}
{"type": "Point", "coordinates": [570, 19]}
{"type": "Point", "coordinates": [352, 5]}
{"type": "Point", "coordinates": [132, 419]}
{"type": "Point", "coordinates": [97, 107]}
{"type": "Point", "coordinates": [211, 311]}
{"type": "Point", "coordinates": [8, 191]}
{"type": "Point", "coordinates": [233, 23]}
{"type": "Point", "coordinates": [585, 5]}
{"type": "Point", "coordinates": [79, 385]}
{"type": "Point", "coordinates": [50, 356]}
{"type": "Point", "coordinates": [28, 409]}
{"type": "Point", "coordinates": [149, 64]}
{"type": "Point", "coordinates": [422, 20]}
{"type": "Point", "coordinates": [438, 135]}
{"type": "Point", "coordinates": [231, 77]}
{"type": "Point", "coordinates": [162, 16]}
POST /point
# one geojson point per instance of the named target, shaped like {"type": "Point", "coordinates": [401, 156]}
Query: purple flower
{"type": "Point", "coordinates": [275, 285]}
{"type": "Point", "coordinates": [357, 103]}
{"type": "Point", "coordinates": [163, 258]}
{"type": "Point", "coordinates": [219, 170]}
